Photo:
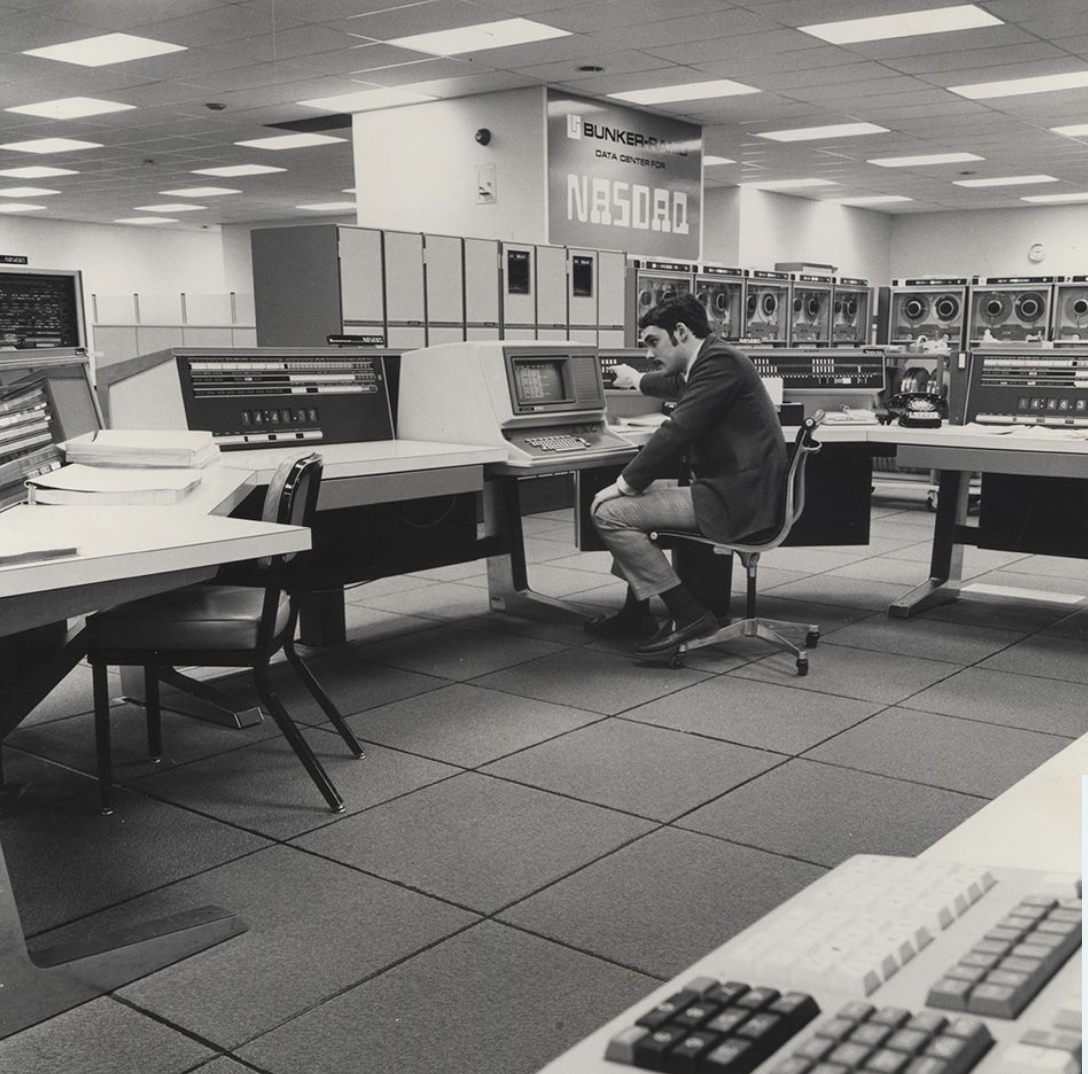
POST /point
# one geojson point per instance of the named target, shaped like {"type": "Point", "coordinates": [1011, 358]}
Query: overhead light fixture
{"type": "Point", "coordinates": [1055, 198]}
{"type": "Point", "coordinates": [291, 141]}
{"type": "Point", "coordinates": [1017, 87]}
{"type": "Point", "coordinates": [71, 108]}
{"type": "Point", "coordinates": [1075, 130]}
{"type": "Point", "coordinates": [712, 161]}
{"type": "Point", "coordinates": [147, 220]}
{"type": "Point", "coordinates": [235, 171]}
{"type": "Point", "coordinates": [105, 49]}
{"type": "Point", "coordinates": [329, 206]}
{"type": "Point", "coordinates": [368, 100]}
{"type": "Point", "coordinates": [26, 192]}
{"type": "Point", "coordinates": [484, 35]}
{"type": "Point", "coordinates": [200, 192]}
{"type": "Point", "coordinates": [51, 145]}
{"type": "Point", "coordinates": [937, 20]}
{"type": "Point", "coordinates": [787, 184]}
{"type": "Point", "coordinates": [19, 207]}
{"type": "Point", "coordinates": [687, 91]}
{"type": "Point", "coordinates": [869, 199]}
{"type": "Point", "coordinates": [1006, 180]}
{"type": "Point", "coordinates": [169, 208]}
{"type": "Point", "coordinates": [811, 134]}
{"type": "Point", "coordinates": [923, 160]}
{"type": "Point", "coordinates": [36, 171]}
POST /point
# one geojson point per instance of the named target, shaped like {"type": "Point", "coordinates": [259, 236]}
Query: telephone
{"type": "Point", "coordinates": [917, 410]}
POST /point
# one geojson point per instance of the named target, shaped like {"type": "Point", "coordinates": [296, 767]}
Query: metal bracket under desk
{"type": "Point", "coordinates": [950, 534]}
{"type": "Point", "coordinates": [193, 697]}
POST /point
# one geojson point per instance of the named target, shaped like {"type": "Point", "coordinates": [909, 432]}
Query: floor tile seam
{"type": "Point", "coordinates": [987, 723]}
{"type": "Point", "coordinates": [18, 810]}
{"type": "Point", "coordinates": [626, 718]}
{"type": "Point", "coordinates": [807, 687]}
{"type": "Point", "coordinates": [559, 647]}
{"type": "Point", "coordinates": [983, 798]}
{"type": "Point", "coordinates": [832, 640]}
{"type": "Point", "coordinates": [478, 768]}
{"type": "Point", "coordinates": [730, 790]}
{"type": "Point", "coordinates": [528, 697]}
{"type": "Point", "coordinates": [162, 1020]}
{"type": "Point", "coordinates": [707, 674]}
{"type": "Point", "coordinates": [628, 967]}
{"type": "Point", "coordinates": [796, 858]}
{"type": "Point", "coordinates": [43, 934]}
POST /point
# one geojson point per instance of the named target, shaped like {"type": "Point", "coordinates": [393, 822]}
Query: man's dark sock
{"type": "Point", "coordinates": [634, 607]}
{"type": "Point", "coordinates": [683, 608]}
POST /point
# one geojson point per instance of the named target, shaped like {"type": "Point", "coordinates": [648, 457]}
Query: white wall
{"type": "Point", "coordinates": [117, 259]}
{"type": "Point", "coordinates": [777, 227]}
{"type": "Point", "coordinates": [415, 167]}
{"type": "Point", "coordinates": [993, 242]}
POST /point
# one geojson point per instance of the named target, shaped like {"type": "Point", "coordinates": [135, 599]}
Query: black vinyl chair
{"type": "Point", "coordinates": [751, 626]}
{"type": "Point", "coordinates": [217, 625]}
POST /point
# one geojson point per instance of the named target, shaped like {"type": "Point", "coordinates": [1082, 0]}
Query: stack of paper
{"type": "Point", "coordinates": [99, 486]}
{"type": "Point", "coordinates": [144, 447]}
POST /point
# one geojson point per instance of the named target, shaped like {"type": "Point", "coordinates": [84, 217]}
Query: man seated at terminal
{"type": "Point", "coordinates": [726, 427]}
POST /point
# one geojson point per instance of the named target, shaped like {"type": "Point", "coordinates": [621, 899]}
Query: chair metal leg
{"type": "Point", "coordinates": [101, 690]}
{"type": "Point", "coordinates": [335, 716]}
{"type": "Point", "coordinates": [296, 740]}
{"type": "Point", "coordinates": [153, 712]}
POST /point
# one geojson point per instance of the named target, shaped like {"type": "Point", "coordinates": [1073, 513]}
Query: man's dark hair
{"type": "Point", "coordinates": [686, 309]}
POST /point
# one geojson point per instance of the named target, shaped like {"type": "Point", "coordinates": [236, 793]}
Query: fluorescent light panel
{"type": "Point", "coordinates": [169, 208]}
{"type": "Point", "coordinates": [1018, 87]}
{"type": "Point", "coordinates": [712, 161]}
{"type": "Point", "coordinates": [105, 49]}
{"type": "Point", "coordinates": [937, 20]}
{"type": "Point", "coordinates": [869, 199]}
{"type": "Point", "coordinates": [19, 207]}
{"type": "Point", "coordinates": [51, 145]}
{"type": "Point", "coordinates": [367, 100]}
{"type": "Point", "coordinates": [484, 35]}
{"type": "Point", "coordinates": [787, 184]}
{"type": "Point", "coordinates": [235, 171]}
{"type": "Point", "coordinates": [36, 171]}
{"type": "Point", "coordinates": [329, 206]}
{"type": "Point", "coordinates": [1006, 180]}
{"type": "Point", "coordinates": [199, 192]}
{"type": "Point", "coordinates": [835, 130]}
{"type": "Point", "coordinates": [1075, 130]}
{"type": "Point", "coordinates": [25, 192]}
{"type": "Point", "coordinates": [1054, 198]}
{"type": "Point", "coordinates": [71, 108]}
{"type": "Point", "coordinates": [290, 141]}
{"type": "Point", "coordinates": [924, 159]}
{"type": "Point", "coordinates": [688, 91]}
{"type": "Point", "coordinates": [147, 220]}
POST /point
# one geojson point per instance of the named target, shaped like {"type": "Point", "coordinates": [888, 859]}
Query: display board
{"type": "Point", "coordinates": [41, 309]}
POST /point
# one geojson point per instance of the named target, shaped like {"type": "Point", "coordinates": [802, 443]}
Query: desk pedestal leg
{"type": "Point", "coordinates": [57, 979]}
{"type": "Point", "coordinates": [507, 575]}
{"type": "Point", "coordinates": [946, 559]}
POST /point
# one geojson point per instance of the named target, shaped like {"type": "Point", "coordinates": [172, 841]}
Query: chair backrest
{"type": "Point", "coordinates": [291, 499]}
{"type": "Point", "coordinates": [803, 446]}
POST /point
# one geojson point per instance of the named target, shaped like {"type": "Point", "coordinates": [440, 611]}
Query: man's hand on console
{"type": "Point", "coordinates": [626, 376]}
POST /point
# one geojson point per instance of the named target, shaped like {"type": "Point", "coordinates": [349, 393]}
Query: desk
{"type": "Point", "coordinates": [957, 452]}
{"type": "Point", "coordinates": [126, 552]}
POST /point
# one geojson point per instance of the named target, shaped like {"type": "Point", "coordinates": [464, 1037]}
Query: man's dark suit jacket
{"type": "Point", "coordinates": [726, 426]}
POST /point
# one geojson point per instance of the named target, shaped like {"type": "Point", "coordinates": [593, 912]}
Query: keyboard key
{"type": "Point", "coordinates": [649, 1052]}
{"type": "Point", "coordinates": [887, 1062]}
{"type": "Point", "coordinates": [1024, 1059]}
{"type": "Point", "coordinates": [621, 1048]}
{"type": "Point", "coordinates": [667, 1008]}
{"type": "Point", "coordinates": [685, 1057]}
{"type": "Point", "coordinates": [732, 1057]}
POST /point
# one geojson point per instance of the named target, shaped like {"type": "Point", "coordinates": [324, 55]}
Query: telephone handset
{"type": "Point", "coordinates": [917, 410]}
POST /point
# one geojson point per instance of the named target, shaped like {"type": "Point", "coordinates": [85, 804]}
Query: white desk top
{"type": "Point", "coordinates": [367, 459]}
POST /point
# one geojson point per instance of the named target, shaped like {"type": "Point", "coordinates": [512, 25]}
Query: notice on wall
{"type": "Point", "coordinates": [621, 179]}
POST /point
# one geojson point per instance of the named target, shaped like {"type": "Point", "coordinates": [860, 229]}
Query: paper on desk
{"type": "Point", "coordinates": [1048, 432]}
{"type": "Point", "coordinates": [103, 486]}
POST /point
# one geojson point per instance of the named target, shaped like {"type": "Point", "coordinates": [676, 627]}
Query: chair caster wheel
{"type": "Point", "coordinates": [802, 666]}
{"type": "Point", "coordinates": [676, 660]}
{"type": "Point", "coordinates": [811, 639]}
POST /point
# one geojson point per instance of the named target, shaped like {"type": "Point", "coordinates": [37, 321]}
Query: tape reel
{"type": "Point", "coordinates": [946, 308]}
{"type": "Point", "coordinates": [994, 309]}
{"type": "Point", "coordinates": [915, 308]}
{"type": "Point", "coordinates": [1030, 307]}
{"type": "Point", "coordinates": [1075, 309]}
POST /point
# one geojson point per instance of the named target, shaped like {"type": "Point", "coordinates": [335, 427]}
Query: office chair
{"type": "Point", "coordinates": [751, 626]}
{"type": "Point", "coordinates": [216, 625]}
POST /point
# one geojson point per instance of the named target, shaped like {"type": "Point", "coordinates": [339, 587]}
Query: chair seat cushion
{"type": "Point", "coordinates": [197, 617]}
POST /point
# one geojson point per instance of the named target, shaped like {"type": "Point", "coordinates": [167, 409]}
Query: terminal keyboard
{"type": "Point", "coordinates": [885, 965]}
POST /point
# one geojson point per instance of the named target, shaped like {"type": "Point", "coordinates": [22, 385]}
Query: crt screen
{"type": "Point", "coordinates": [540, 381]}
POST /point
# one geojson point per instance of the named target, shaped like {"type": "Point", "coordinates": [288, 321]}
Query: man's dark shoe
{"type": "Point", "coordinates": [623, 625]}
{"type": "Point", "coordinates": [670, 637]}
